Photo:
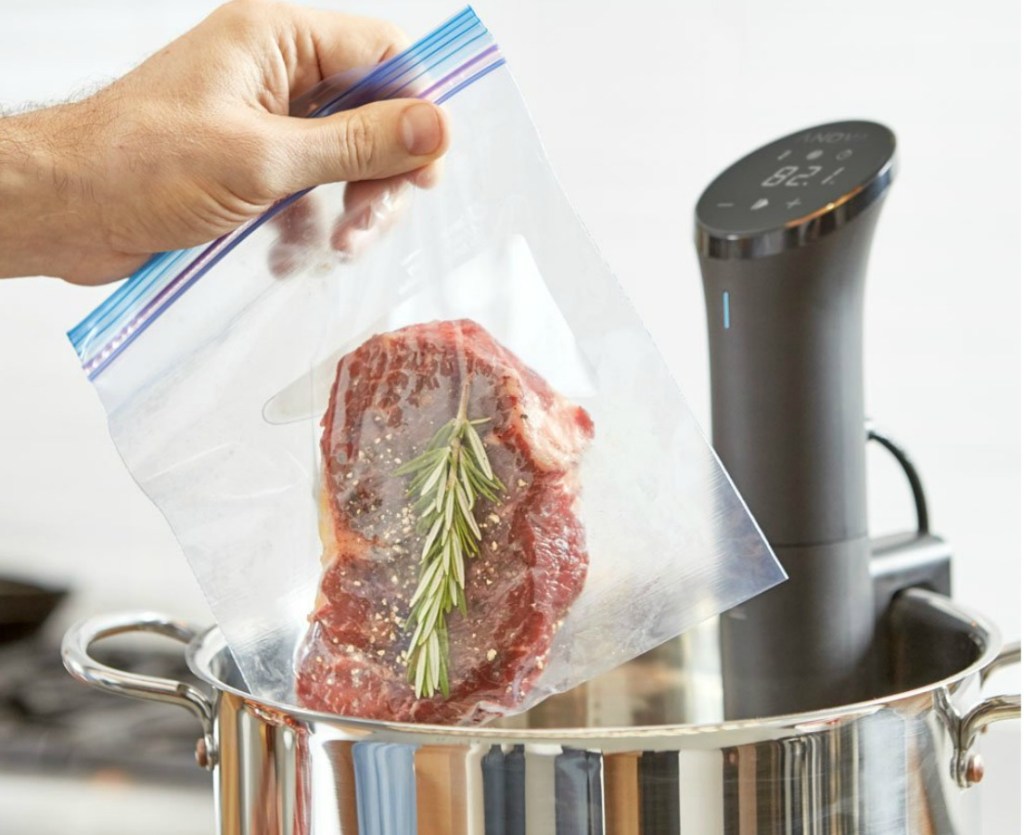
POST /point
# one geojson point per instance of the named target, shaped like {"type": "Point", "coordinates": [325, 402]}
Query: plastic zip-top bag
{"type": "Point", "coordinates": [435, 471]}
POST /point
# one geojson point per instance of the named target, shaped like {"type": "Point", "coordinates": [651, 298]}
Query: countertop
{"type": "Point", "coordinates": [103, 804]}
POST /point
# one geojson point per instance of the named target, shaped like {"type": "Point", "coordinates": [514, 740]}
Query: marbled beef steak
{"type": "Point", "coordinates": [390, 397]}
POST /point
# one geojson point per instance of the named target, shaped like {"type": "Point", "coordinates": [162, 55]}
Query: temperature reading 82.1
{"type": "Point", "coordinates": [793, 175]}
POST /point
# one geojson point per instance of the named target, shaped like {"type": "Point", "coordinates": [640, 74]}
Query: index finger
{"type": "Point", "coordinates": [326, 43]}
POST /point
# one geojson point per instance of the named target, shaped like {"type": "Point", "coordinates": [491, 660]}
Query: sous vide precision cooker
{"type": "Point", "coordinates": [852, 692]}
{"type": "Point", "coordinates": [784, 237]}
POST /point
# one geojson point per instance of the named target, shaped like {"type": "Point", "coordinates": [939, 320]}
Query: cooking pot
{"type": "Point", "coordinates": [621, 754]}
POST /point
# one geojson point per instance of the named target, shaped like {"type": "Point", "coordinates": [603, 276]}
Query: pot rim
{"type": "Point", "coordinates": [210, 643]}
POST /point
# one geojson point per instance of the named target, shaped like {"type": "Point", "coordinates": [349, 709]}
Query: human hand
{"type": "Point", "coordinates": [197, 140]}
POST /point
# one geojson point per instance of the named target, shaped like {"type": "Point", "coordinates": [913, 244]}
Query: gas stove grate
{"type": "Point", "coordinates": [51, 723]}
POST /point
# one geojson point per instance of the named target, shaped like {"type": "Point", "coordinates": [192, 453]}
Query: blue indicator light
{"type": "Point", "coordinates": [725, 309]}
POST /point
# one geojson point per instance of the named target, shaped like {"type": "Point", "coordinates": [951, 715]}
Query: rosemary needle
{"type": "Point", "coordinates": [447, 479]}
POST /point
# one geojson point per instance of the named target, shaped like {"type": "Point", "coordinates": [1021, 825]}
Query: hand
{"type": "Point", "coordinates": [197, 140]}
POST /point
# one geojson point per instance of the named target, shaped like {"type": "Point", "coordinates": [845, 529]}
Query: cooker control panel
{"type": "Point", "coordinates": [797, 179]}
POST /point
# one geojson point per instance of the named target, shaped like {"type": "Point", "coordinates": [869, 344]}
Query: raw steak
{"type": "Point", "coordinates": [389, 398]}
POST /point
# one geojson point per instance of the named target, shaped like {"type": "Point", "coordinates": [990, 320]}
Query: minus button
{"type": "Point", "coordinates": [725, 205]}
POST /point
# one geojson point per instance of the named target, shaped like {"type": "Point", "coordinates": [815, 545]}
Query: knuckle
{"type": "Point", "coordinates": [393, 38]}
{"type": "Point", "coordinates": [245, 7]}
{"type": "Point", "coordinates": [260, 165]}
{"type": "Point", "coordinates": [359, 146]}
{"type": "Point", "coordinates": [243, 16]}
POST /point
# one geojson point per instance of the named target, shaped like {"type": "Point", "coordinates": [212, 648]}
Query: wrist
{"type": "Point", "coordinates": [41, 187]}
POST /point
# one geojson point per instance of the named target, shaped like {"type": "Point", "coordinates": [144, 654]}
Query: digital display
{"type": "Point", "coordinates": [795, 177]}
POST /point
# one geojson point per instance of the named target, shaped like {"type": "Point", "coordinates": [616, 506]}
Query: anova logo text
{"type": "Point", "coordinates": [831, 137]}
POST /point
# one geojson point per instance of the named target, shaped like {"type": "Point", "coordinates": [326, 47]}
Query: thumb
{"type": "Point", "coordinates": [377, 140]}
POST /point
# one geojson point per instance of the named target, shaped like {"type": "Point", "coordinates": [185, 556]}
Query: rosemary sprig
{"type": "Point", "coordinates": [447, 479]}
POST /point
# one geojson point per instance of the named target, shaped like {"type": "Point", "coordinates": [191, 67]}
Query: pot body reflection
{"type": "Point", "coordinates": [885, 773]}
{"type": "Point", "coordinates": [634, 752]}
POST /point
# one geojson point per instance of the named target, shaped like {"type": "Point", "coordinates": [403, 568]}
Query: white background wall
{"type": "Point", "coordinates": [640, 104]}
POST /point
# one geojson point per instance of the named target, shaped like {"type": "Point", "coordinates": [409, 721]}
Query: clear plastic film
{"type": "Point", "coordinates": [422, 455]}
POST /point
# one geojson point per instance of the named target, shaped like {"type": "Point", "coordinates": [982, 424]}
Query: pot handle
{"type": "Point", "coordinates": [79, 640]}
{"type": "Point", "coordinates": [968, 765]}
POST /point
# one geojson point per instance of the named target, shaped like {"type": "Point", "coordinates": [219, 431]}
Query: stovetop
{"type": "Point", "coordinates": [50, 722]}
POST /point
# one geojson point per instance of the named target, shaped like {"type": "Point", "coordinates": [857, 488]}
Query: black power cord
{"type": "Point", "coordinates": [920, 502]}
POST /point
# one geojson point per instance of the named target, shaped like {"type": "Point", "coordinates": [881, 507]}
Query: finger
{"type": "Point", "coordinates": [373, 212]}
{"type": "Point", "coordinates": [428, 176]}
{"type": "Point", "coordinates": [295, 223]}
{"type": "Point", "coordinates": [298, 233]}
{"type": "Point", "coordinates": [367, 205]}
{"type": "Point", "coordinates": [352, 239]}
{"type": "Point", "coordinates": [369, 196]}
{"type": "Point", "coordinates": [372, 203]}
{"type": "Point", "coordinates": [361, 194]}
{"type": "Point", "coordinates": [327, 43]}
{"type": "Point", "coordinates": [372, 142]}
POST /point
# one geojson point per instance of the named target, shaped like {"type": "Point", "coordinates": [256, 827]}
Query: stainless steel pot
{"type": "Point", "coordinates": [620, 755]}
